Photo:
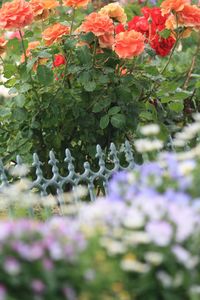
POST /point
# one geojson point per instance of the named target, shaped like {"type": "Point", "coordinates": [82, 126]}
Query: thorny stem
{"type": "Point", "coordinates": [170, 57]}
{"type": "Point", "coordinates": [94, 52]}
{"type": "Point", "coordinates": [23, 45]}
{"type": "Point", "coordinates": [72, 23]}
{"type": "Point", "coordinates": [189, 73]}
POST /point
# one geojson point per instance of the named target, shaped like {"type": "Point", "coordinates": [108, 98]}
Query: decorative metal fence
{"type": "Point", "coordinates": [107, 166]}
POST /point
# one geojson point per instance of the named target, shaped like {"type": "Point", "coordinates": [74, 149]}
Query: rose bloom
{"type": "Point", "coordinates": [115, 11]}
{"type": "Point", "coordinates": [106, 40]}
{"type": "Point", "coordinates": [39, 11]}
{"type": "Point", "coordinates": [59, 60]}
{"type": "Point", "coordinates": [162, 46]}
{"type": "Point", "coordinates": [50, 4]}
{"type": "Point", "coordinates": [15, 15]}
{"type": "Point", "coordinates": [3, 43]}
{"type": "Point", "coordinates": [31, 46]}
{"type": "Point", "coordinates": [76, 3]}
{"type": "Point", "coordinates": [129, 44]}
{"type": "Point", "coordinates": [171, 23]}
{"type": "Point", "coordinates": [173, 5]}
{"type": "Point", "coordinates": [190, 16]}
{"type": "Point", "coordinates": [97, 24]}
{"type": "Point", "coordinates": [53, 33]}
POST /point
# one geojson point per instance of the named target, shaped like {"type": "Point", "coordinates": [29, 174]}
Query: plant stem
{"type": "Point", "coordinates": [23, 45]}
{"type": "Point", "coordinates": [94, 52]}
{"type": "Point", "coordinates": [170, 57]}
{"type": "Point", "coordinates": [72, 23]}
{"type": "Point", "coordinates": [1, 58]}
{"type": "Point", "coordinates": [194, 58]}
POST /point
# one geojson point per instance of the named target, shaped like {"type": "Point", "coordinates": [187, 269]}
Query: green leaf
{"type": "Point", "coordinates": [25, 87]}
{"type": "Point", "coordinates": [4, 113]}
{"type": "Point", "coordinates": [176, 106]}
{"type": "Point", "coordinates": [165, 33]}
{"type": "Point", "coordinates": [9, 70]}
{"type": "Point", "coordinates": [90, 86]}
{"type": "Point", "coordinates": [88, 37]}
{"type": "Point", "coordinates": [45, 75]}
{"type": "Point", "coordinates": [19, 100]}
{"type": "Point", "coordinates": [99, 106]}
{"type": "Point", "coordinates": [114, 110]}
{"type": "Point", "coordinates": [104, 121]}
{"type": "Point", "coordinates": [152, 70]}
{"type": "Point", "coordinates": [118, 120]}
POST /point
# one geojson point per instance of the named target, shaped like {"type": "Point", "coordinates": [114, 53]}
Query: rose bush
{"type": "Point", "coordinates": [78, 78]}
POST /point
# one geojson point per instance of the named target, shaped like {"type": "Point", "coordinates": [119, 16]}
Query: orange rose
{"type": "Point", "coordinates": [106, 40]}
{"type": "Point", "coordinates": [39, 11]}
{"type": "Point", "coordinates": [171, 23]}
{"type": "Point", "coordinates": [173, 5]}
{"type": "Point", "coordinates": [115, 11]}
{"type": "Point", "coordinates": [15, 14]}
{"type": "Point", "coordinates": [76, 3]}
{"type": "Point", "coordinates": [129, 44]}
{"type": "Point", "coordinates": [190, 16]}
{"type": "Point", "coordinates": [98, 24]}
{"type": "Point", "coordinates": [53, 33]}
{"type": "Point", "coordinates": [31, 46]}
{"type": "Point", "coordinates": [50, 4]}
{"type": "Point", "coordinates": [3, 43]}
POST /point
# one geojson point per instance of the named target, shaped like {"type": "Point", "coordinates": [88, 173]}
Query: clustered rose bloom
{"type": "Point", "coordinates": [59, 60]}
{"type": "Point", "coordinates": [187, 15]}
{"type": "Point", "coordinates": [115, 11]}
{"type": "Point", "coordinates": [3, 43]}
{"type": "Point", "coordinates": [150, 24]}
{"type": "Point", "coordinates": [39, 11]}
{"type": "Point", "coordinates": [76, 3]}
{"type": "Point", "coordinates": [129, 44]}
{"type": "Point", "coordinates": [31, 46]}
{"type": "Point", "coordinates": [97, 24]}
{"type": "Point", "coordinates": [15, 15]}
{"type": "Point", "coordinates": [53, 33]}
{"type": "Point", "coordinates": [173, 5]}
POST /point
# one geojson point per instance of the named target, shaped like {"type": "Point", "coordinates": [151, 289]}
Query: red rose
{"type": "Point", "coordinates": [119, 28]}
{"type": "Point", "coordinates": [139, 24]}
{"type": "Point", "coordinates": [162, 46]}
{"type": "Point", "coordinates": [59, 60]}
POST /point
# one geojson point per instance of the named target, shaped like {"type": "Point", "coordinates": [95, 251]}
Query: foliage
{"type": "Point", "coordinates": [93, 96]}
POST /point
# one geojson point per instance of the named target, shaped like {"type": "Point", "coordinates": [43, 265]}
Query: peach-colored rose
{"type": "Point", "coordinates": [106, 40]}
{"type": "Point", "coordinates": [115, 11]}
{"type": "Point", "coordinates": [39, 10]}
{"type": "Point", "coordinates": [129, 44]}
{"type": "Point", "coordinates": [190, 16]}
{"type": "Point", "coordinates": [31, 46]}
{"type": "Point", "coordinates": [53, 33]}
{"type": "Point", "coordinates": [76, 3]}
{"type": "Point", "coordinates": [3, 43]}
{"type": "Point", "coordinates": [50, 4]}
{"type": "Point", "coordinates": [97, 24]}
{"type": "Point", "coordinates": [173, 5]}
{"type": "Point", "coordinates": [171, 23]}
{"type": "Point", "coordinates": [15, 15]}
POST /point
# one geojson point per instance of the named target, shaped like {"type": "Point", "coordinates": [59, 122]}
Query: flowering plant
{"type": "Point", "coordinates": [78, 78]}
{"type": "Point", "coordinates": [133, 243]}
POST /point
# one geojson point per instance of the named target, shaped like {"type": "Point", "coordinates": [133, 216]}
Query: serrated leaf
{"type": "Point", "coordinates": [165, 33]}
{"type": "Point", "coordinates": [176, 106]}
{"type": "Point", "coordinates": [45, 75]}
{"type": "Point", "coordinates": [104, 121]}
{"type": "Point", "coordinates": [90, 86]}
{"type": "Point", "coordinates": [114, 110]}
{"type": "Point", "coordinates": [118, 120]}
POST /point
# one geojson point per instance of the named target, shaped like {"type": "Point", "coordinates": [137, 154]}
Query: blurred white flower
{"type": "Point", "coordinates": [151, 129]}
{"type": "Point", "coordinates": [155, 258]}
{"type": "Point", "coordinates": [131, 265]}
{"type": "Point", "coordinates": [148, 145]}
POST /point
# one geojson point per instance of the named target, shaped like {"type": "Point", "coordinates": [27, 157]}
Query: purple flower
{"type": "Point", "coordinates": [2, 292]}
{"type": "Point", "coordinates": [37, 286]}
{"type": "Point", "coordinates": [12, 266]}
{"type": "Point", "coordinates": [160, 232]}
